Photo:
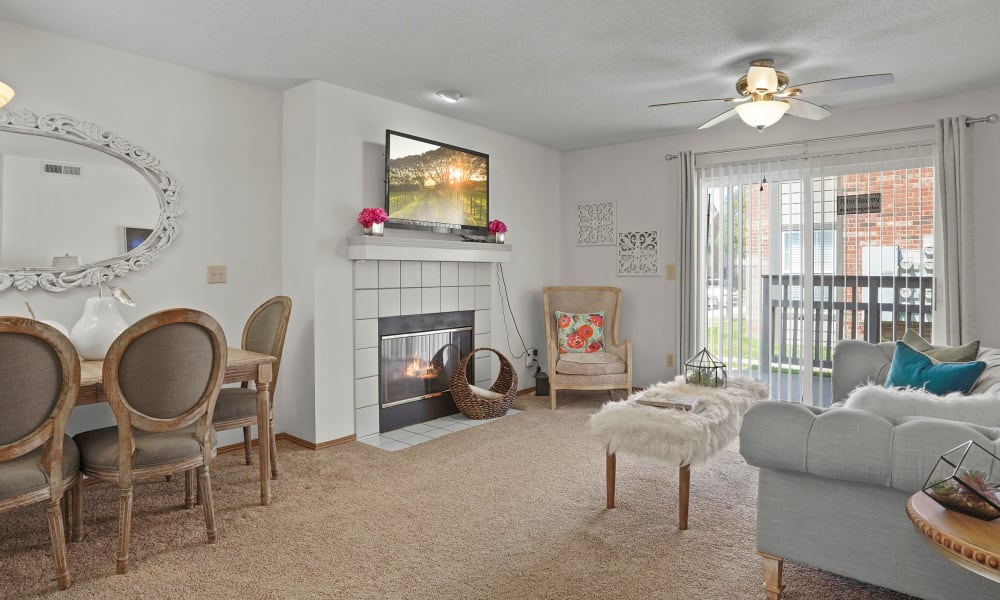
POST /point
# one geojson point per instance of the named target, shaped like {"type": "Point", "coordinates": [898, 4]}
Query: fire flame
{"type": "Point", "coordinates": [421, 369]}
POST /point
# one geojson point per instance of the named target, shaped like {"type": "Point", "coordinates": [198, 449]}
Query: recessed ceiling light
{"type": "Point", "coordinates": [449, 95]}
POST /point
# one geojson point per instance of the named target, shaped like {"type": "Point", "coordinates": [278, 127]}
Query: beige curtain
{"type": "Point", "coordinates": [954, 321]}
{"type": "Point", "coordinates": [689, 257]}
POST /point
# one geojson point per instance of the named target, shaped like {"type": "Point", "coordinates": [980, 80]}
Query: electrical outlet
{"type": "Point", "coordinates": [530, 357]}
{"type": "Point", "coordinates": [671, 271]}
{"type": "Point", "coordinates": [217, 273]}
{"type": "Point", "coordinates": [670, 360]}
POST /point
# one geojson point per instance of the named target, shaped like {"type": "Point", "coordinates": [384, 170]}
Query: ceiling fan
{"type": "Point", "coordinates": [765, 95]}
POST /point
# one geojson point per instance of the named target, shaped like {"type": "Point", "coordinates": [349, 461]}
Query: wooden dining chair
{"type": "Point", "coordinates": [162, 377]}
{"type": "Point", "coordinates": [40, 371]}
{"type": "Point", "coordinates": [264, 332]}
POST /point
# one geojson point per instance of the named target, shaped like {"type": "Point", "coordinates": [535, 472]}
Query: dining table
{"type": "Point", "coordinates": [241, 365]}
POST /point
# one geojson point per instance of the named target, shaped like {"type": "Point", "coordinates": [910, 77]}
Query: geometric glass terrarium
{"type": "Point", "coordinates": [964, 480]}
{"type": "Point", "coordinates": [705, 369]}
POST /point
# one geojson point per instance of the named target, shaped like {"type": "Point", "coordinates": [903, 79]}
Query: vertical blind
{"type": "Point", "coordinates": [803, 251]}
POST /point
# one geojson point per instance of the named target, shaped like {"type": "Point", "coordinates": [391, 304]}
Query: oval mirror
{"type": "Point", "coordinates": [79, 205]}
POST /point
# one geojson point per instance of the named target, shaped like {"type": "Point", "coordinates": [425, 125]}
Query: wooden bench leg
{"type": "Point", "coordinates": [682, 495]}
{"type": "Point", "coordinates": [611, 463]}
{"type": "Point", "coordinates": [772, 576]}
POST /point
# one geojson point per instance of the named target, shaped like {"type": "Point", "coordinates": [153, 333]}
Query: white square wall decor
{"type": "Point", "coordinates": [595, 224]}
{"type": "Point", "coordinates": [639, 253]}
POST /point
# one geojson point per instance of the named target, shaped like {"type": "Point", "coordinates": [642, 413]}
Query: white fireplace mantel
{"type": "Point", "coordinates": [367, 247]}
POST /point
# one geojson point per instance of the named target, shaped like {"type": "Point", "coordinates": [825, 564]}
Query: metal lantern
{"type": "Point", "coordinates": [705, 369]}
{"type": "Point", "coordinates": [963, 480]}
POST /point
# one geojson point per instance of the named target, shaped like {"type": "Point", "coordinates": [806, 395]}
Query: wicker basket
{"type": "Point", "coordinates": [477, 403]}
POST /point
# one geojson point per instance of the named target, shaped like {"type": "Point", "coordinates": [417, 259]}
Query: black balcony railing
{"type": "Point", "coordinates": [872, 308]}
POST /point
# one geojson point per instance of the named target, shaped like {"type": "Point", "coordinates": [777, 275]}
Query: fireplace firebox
{"type": "Point", "coordinates": [417, 355]}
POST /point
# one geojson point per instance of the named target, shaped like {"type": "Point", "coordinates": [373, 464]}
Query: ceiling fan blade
{"type": "Point", "coordinates": [694, 101]}
{"type": "Point", "coordinates": [718, 119]}
{"type": "Point", "coordinates": [843, 84]}
{"type": "Point", "coordinates": [807, 110]}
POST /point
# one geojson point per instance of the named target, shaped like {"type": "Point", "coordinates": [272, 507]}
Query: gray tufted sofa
{"type": "Point", "coordinates": [834, 482]}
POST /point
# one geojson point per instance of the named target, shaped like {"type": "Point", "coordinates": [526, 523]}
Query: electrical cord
{"type": "Point", "coordinates": [502, 287]}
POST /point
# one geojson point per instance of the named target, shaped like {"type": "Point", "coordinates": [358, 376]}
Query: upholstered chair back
{"type": "Point", "coordinates": [584, 299]}
{"type": "Point", "coordinates": [264, 331]}
{"type": "Point", "coordinates": [165, 371]}
{"type": "Point", "coordinates": [30, 370]}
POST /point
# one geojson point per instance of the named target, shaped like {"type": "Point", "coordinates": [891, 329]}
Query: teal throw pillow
{"type": "Point", "coordinates": [916, 370]}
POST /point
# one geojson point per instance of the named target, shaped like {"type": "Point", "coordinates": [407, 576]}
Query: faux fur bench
{"type": "Point", "coordinates": [674, 437]}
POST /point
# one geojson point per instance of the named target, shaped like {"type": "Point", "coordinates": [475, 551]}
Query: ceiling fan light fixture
{"type": "Point", "coordinates": [762, 79]}
{"type": "Point", "coordinates": [6, 93]}
{"type": "Point", "coordinates": [762, 113]}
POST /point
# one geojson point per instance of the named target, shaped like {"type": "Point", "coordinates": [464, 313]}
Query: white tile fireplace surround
{"type": "Point", "coordinates": [387, 288]}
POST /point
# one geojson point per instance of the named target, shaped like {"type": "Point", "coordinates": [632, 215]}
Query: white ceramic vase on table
{"type": "Point", "coordinates": [100, 324]}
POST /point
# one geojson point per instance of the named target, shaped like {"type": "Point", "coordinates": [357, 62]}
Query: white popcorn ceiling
{"type": "Point", "coordinates": [567, 74]}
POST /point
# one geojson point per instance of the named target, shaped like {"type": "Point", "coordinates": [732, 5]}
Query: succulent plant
{"type": "Point", "coordinates": [969, 492]}
{"type": "Point", "coordinates": [976, 480]}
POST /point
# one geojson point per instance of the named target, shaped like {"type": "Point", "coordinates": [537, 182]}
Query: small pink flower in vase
{"type": "Point", "coordinates": [498, 230]}
{"type": "Point", "coordinates": [373, 220]}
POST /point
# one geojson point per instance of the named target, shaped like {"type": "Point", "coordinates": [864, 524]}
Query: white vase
{"type": "Point", "coordinates": [376, 229]}
{"type": "Point", "coordinates": [100, 324]}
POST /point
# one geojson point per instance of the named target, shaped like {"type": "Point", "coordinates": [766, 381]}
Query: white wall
{"type": "Point", "coordinates": [333, 144]}
{"type": "Point", "coordinates": [645, 188]}
{"type": "Point", "coordinates": [220, 140]}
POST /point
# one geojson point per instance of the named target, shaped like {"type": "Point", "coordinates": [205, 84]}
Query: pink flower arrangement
{"type": "Point", "coordinates": [497, 226]}
{"type": "Point", "coordinates": [369, 216]}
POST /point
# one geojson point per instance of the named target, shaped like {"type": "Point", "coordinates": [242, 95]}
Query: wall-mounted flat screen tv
{"type": "Point", "coordinates": [437, 186]}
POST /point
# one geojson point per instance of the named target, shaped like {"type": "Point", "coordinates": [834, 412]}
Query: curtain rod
{"type": "Point", "coordinates": [969, 122]}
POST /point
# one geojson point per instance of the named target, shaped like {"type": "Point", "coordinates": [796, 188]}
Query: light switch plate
{"type": "Point", "coordinates": [217, 273]}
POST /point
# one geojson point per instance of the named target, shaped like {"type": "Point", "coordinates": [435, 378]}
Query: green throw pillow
{"type": "Point", "coordinates": [916, 370]}
{"type": "Point", "coordinates": [951, 354]}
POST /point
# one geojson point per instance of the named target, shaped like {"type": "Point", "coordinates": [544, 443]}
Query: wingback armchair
{"type": "Point", "coordinates": [609, 368]}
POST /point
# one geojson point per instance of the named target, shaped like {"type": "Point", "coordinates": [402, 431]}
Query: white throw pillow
{"type": "Point", "coordinates": [896, 403]}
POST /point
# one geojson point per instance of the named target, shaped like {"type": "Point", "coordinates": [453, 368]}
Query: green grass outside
{"type": "Point", "coordinates": [751, 350]}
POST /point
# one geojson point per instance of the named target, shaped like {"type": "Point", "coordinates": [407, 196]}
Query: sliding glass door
{"type": "Point", "coordinates": [806, 251]}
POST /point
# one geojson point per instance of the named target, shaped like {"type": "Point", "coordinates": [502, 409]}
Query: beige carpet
{"type": "Point", "coordinates": [510, 509]}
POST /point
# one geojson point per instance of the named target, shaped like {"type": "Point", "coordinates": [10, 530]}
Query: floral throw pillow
{"type": "Point", "coordinates": [580, 332]}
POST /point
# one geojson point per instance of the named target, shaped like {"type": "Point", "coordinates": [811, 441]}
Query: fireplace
{"type": "Point", "coordinates": [417, 356]}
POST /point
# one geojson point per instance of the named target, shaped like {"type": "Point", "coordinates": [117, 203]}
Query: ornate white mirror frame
{"type": "Point", "coordinates": [67, 128]}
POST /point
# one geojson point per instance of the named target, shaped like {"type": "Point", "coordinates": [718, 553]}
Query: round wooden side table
{"type": "Point", "coordinates": [967, 541]}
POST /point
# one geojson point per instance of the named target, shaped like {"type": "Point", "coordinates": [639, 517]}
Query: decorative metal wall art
{"type": "Point", "coordinates": [639, 253]}
{"type": "Point", "coordinates": [595, 224]}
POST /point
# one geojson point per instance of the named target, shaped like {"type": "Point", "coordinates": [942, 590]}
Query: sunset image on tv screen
{"type": "Point", "coordinates": [437, 184]}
